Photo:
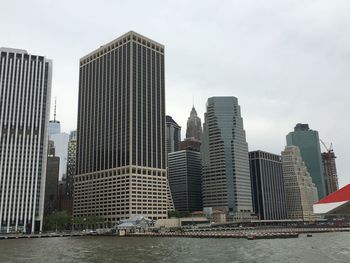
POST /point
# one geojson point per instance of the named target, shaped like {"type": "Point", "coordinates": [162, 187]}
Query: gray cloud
{"type": "Point", "coordinates": [286, 61]}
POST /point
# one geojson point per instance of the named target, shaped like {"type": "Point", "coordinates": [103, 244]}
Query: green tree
{"type": "Point", "coordinates": [57, 221]}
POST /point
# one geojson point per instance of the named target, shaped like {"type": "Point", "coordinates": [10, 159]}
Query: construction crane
{"type": "Point", "coordinates": [329, 149]}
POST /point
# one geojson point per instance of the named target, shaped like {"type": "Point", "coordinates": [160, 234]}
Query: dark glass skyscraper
{"type": "Point", "coordinates": [225, 162]}
{"type": "Point", "coordinates": [172, 135]}
{"type": "Point", "coordinates": [121, 131]}
{"type": "Point", "coordinates": [267, 185]}
{"type": "Point", "coordinates": [185, 176]}
{"type": "Point", "coordinates": [308, 143]}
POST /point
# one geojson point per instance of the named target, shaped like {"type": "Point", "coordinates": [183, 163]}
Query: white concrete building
{"type": "Point", "coordinates": [25, 90]}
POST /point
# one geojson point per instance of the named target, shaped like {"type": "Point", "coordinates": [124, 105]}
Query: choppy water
{"type": "Point", "coordinates": [326, 247]}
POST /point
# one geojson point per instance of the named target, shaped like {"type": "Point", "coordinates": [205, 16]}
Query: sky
{"type": "Point", "coordinates": [286, 61]}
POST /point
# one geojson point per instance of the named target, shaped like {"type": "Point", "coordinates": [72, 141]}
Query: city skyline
{"type": "Point", "coordinates": [269, 59]}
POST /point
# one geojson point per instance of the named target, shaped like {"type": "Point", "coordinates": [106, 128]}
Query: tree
{"type": "Point", "coordinates": [57, 221]}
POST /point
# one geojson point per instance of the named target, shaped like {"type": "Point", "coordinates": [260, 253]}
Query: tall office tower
{"type": "Point", "coordinates": [71, 164]}
{"type": "Point", "coordinates": [266, 175]}
{"type": "Point", "coordinates": [66, 186]}
{"type": "Point", "coordinates": [121, 161]}
{"type": "Point", "coordinates": [172, 135]}
{"type": "Point", "coordinates": [309, 144]}
{"type": "Point", "coordinates": [51, 185]}
{"type": "Point", "coordinates": [185, 176]}
{"type": "Point", "coordinates": [301, 192]}
{"type": "Point", "coordinates": [25, 90]}
{"type": "Point", "coordinates": [194, 126]}
{"type": "Point", "coordinates": [225, 162]}
{"type": "Point", "coordinates": [330, 171]}
{"type": "Point", "coordinates": [60, 140]}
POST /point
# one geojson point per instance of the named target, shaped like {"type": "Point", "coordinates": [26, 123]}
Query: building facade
{"type": "Point", "coordinates": [308, 142]}
{"type": "Point", "coordinates": [185, 176]}
{"type": "Point", "coordinates": [301, 192]}
{"type": "Point", "coordinates": [25, 90]}
{"type": "Point", "coordinates": [51, 187]}
{"type": "Point", "coordinates": [330, 171]}
{"type": "Point", "coordinates": [226, 182]}
{"type": "Point", "coordinates": [121, 160]}
{"type": "Point", "coordinates": [194, 126]}
{"type": "Point", "coordinates": [172, 135]}
{"type": "Point", "coordinates": [267, 185]}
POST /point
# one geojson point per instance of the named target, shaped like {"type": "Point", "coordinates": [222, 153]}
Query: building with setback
{"type": "Point", "coordinates": [185, 176]}
{"type": "Point", "coordinates": [172, 135]}
{"type": "Point", "coordinates": [194, 126]}
{"type": "Point", "coordinates": [226, 182]}
{"type": "Point", "coordinates": [25, 90]}
{"type": "Point", "coordinates": [121, 160]}
{"type": "Point", "coordinates": [267, 185]}
{"type": "Point", "coordinates": [301, 192]}
{"type": "Point", "coordinates": [308, 142]}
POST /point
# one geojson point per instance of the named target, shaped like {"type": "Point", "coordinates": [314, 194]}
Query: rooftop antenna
{"type": "Point", "coordinates": [54, 112]}
{"type": "Point", "coordinates": [192, 101]}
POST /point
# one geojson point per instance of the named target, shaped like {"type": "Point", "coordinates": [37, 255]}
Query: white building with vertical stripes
{"type": "Point", "coordinates": [25, 89]}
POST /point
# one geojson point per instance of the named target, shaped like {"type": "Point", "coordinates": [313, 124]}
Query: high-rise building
{"type": "Point", "coordinates": [60, 140]}
{"type": "Point", "coordinates": [71, 164]}
{"type": "Point", "coordinates": [330, 171]}
{"type": "Point", "coordinates": [185, 176]}
{"type": "Point", "coordinates": [51, 185]}
{"type": "Point", "coordinates": [308, 142]}
{"type": "Point", "coordinates": [267, 185]}
{"type": "Point", "coordinates": [191, 144]}
{"type": "Point", "coordinates": [25, 90]}
{"type": "Point", "coordinates": [194, 126]}
{"type": "Point", "coordinates": [66, 186]}
{"type": "Point", "coordinates": [225, 163]}
{"type": "Point", "coordinates": [301, 192]}
{"type": "Point", "coordinates": [172, 135]}
{"type": "Point", "coordinates": [121, 160]}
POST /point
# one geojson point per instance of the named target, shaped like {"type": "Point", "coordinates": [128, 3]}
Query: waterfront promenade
{"type": "Point", "coordinates": [251, 233]}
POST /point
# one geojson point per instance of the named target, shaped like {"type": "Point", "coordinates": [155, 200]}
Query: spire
{"type": "Point", "coordinates": [54, 112]}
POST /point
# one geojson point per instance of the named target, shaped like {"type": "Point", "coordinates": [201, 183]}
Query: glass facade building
{"type": "Point", "coordinates": [226, 178]}
{"type": "Point", "coordinates": [185, 180]}
{"type": "Point", "coordinates": [267, 185]}
{"type": "Point", "coordinates": [308, 142]}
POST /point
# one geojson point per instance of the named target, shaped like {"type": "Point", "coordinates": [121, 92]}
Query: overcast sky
{"type": "Point", "coordinates": [285, 61]}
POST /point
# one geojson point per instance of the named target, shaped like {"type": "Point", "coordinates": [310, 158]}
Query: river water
{"type": "Point", "coordinates": [325, 247]}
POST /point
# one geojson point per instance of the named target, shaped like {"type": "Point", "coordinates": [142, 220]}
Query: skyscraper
{"type": "Point", "coordinates": [309, 144]}
{"type": "Point", "coordinates": [60, 140]}
{"type": "Point", "coordinates": [194, 126]}
{"type": "Point", "coordinates": [301, 192]}
{"type": "Point", "coordinates": [226, 178]}
{"type": "Point", "coordinates": [172, 135]}
{"type": "Point", "coordinates": [330, 171]}
{"type": "Point", "coordinates": [185, 176]}
{"type": "Point", "coordinates": [51, 183]}
{"type": "Point", "coordinates": [267, 185]}
{"type": "Point", "coordinates": [25, 90]}
{"type": "Point", "coordinates": [121, 161]}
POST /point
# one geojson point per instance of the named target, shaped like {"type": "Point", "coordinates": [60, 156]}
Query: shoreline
{"type": "Point", "coordinates": [209, 233]}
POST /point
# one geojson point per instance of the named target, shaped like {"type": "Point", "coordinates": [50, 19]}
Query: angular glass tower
{"type": "Point", "coordinates": [226, 177]}
{"type": "Point", "coordinates": [309, 144]}
{"type": "Point", "coordinates": [172, 135]}
{"type": "Point", "coordinates": [25, 90]}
